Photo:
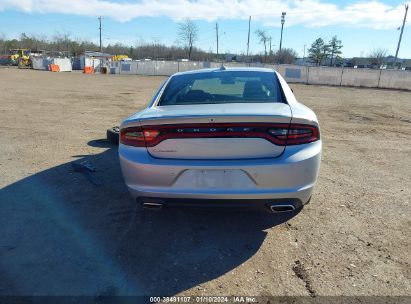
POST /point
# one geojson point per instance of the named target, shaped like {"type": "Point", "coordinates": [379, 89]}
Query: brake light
{"type": "Point", "coordinates": [278, 134]}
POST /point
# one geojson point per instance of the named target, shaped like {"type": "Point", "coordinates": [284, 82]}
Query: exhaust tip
{"type": "Point", "coordinates": [282, 208]}
{"type": "Point", "coordinates": [152, 205]}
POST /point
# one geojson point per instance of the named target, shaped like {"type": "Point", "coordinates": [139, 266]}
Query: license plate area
{"type": "Point", "coordinates": [214, 179]}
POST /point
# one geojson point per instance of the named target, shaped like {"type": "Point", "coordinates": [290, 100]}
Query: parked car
{"type": "Point", "coordinates": [222, 137]}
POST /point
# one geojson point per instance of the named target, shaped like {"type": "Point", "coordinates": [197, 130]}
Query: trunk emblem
{"type": "Point", "coordinates": [164, 151]}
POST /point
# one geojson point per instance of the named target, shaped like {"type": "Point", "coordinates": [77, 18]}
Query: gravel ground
{"type": "Point", "coordinates": [69, 233]}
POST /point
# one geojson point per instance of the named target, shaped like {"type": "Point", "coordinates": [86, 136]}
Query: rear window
{"type": "Point", "coordinates": [222, 87]}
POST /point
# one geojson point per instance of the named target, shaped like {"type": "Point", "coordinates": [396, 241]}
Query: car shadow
{"type": "Point", "coordinates": [75, 232]}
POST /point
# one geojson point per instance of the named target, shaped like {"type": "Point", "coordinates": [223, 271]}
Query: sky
{"type": "Point", "coordinates": [361, 25]}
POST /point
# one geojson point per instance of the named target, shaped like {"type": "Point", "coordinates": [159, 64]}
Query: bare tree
{"type": "Point", "coordinates": [2, 43]}
{"type": "Point", "coordinates": [62, 42]}
{"type": "Point", "coordinates": [377, 56]}
{"type": "Point", "coordinates": [188, 34]}
{"type": "Point", "coordinates": [263, 37]}
{"type": "Point", "coordinates": [285, 55]}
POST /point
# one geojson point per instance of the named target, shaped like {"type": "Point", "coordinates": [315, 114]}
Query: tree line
{"type": "Point", "coordinates": [63, 44]}
{"type": "Point", "coordinates": [322, 53]}
{"type": "Point", "coordinates": [188, 35]}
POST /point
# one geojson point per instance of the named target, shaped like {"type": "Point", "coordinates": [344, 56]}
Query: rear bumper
{"type": "Point", "coordinates": [290, 176]}
{"type": "Point", "coordinates": [256, 204]}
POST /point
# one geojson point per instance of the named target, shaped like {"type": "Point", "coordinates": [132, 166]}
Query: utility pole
{"type": "Point", "coordinates": [216, 32]}
{"type": "Point", "coordinates": [248, 40]}
{"type": "Point", "coordinates": [270, 45]}
{"type": "Point", "coordinates": [304, 54]}
{"type": "Point", "coordinates": [402, 30]}
{"type": "Point", "coordinates": [282, 26]}
{"type": "Point", "coordinates": [99, 19]}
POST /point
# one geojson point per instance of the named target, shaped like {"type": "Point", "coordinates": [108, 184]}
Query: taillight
{"type": "Point", "coordinates": [302, 134]}
{"type": "Point", "coordinates": [150, 135]}
{"type": "Point", "coordinates": [132, 137]}
{"type": "Point", "coordinates": [278, 134]}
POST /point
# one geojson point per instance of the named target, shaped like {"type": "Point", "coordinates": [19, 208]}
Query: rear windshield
{"type": "Point", "coordinates": [222, 87]}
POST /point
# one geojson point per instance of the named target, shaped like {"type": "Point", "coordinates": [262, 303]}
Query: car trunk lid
{"type": "Point", "coordinates": [216, 131]}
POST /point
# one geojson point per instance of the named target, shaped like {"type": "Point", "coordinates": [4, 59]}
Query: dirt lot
{"type": "Point", "coordinates": [62, 234]}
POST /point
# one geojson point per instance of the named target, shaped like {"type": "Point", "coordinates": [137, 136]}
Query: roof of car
{"type": "Point", "coordinates": [227, 69]}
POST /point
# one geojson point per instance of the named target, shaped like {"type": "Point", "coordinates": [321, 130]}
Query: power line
{"type": "Point", "coordinates": [207, 31]}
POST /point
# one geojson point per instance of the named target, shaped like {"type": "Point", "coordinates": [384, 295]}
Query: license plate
{"type": "Point", "coordinates": [213, 178]}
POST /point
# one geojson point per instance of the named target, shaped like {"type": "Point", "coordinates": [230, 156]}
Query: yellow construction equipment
{"type": "Point", "coordinates": [120, 57]}
{"type": "Point", "coordinates": [20, 57]}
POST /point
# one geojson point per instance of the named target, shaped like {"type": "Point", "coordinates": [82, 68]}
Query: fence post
{"type": "Point", "coordinates": [342, 72]}
{"type": "Point", "coordinates": [379, 77]}
{"type": "Point", "coordinates": [308, 74]}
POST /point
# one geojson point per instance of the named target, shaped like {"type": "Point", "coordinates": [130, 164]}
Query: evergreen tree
{"type": "Point", "coordinates": [318, 52]}
{"type": "Point", "coordinates": [335, 49]}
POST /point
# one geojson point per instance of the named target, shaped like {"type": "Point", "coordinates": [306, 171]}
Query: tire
{"type": "Point", "coordinates": [113, 135]}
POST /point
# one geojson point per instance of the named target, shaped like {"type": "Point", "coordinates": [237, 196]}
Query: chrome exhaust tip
{"type": "Point", "coordinates": [152, 205]}
{"type": "Point", "coordinates": [279, 208]}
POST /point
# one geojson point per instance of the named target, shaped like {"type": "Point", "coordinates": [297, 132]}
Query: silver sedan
{"type": "Point", "coordinates": [222, 137]}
